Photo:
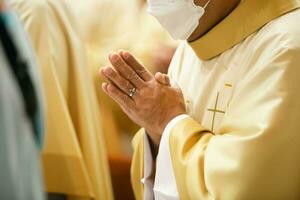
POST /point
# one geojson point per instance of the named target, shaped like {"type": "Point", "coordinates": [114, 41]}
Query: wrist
{"type": "Point", "coordinates": [170, 118]}
{"type": "Point", "coordinates": [156, 134]}
{"type": "Point", "coordinates": [154, 145]}
{"type": "Point", "coordinates": [154, 137]}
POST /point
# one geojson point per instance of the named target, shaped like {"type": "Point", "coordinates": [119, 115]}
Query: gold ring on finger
{"type": "Point", "coordinates": [132, 92]}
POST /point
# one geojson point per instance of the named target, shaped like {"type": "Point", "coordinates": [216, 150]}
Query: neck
{"type": "Point", "coordinates": [215, 12]}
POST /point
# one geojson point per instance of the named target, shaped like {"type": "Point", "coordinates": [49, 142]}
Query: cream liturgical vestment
{"type": "Point", "coordinates": [74, 158]}
{"type": "Point", "coordinates": [240, 138]}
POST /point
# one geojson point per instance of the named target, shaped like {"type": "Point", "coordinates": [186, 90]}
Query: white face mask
{"type": "Point", "coordinates": [179, 17]}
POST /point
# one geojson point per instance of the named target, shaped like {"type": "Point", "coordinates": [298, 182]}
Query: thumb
{"type": "Point", "coordinates": [162, 79]}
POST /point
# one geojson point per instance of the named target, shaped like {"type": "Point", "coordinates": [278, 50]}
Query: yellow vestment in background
{"type": "Point", "coordinates": [111, 25]}
{"type": "Point", "coordinates": [74, 158]}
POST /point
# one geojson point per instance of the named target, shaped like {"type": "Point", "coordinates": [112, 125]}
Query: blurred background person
{"type": "Point", "coordinates": [74, 159]}
{"type": "Point", "coordinates": [21, 113]}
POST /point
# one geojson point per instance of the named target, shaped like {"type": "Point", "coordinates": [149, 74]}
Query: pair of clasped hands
{"type": "Point", "coordinates": [149, 100]}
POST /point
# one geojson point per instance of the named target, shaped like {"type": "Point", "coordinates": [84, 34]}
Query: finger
{"type": "Point", "coordinates": [136, 66]}
{"type": "Point", "coordinates": [117, 79]}
{"type": "Point", "coordinates": [124, 108]}
{"type": "Point", "coordinates": [162, 79]}
{"type": "Point", "coordinates": [118, 96]}
{"type": "Point", "coordinates": [126, 71]}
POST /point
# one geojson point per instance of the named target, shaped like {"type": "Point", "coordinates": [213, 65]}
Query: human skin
{"type": "Point", "coordinates": [156, 102]}
{"type": "Point", "coordinates": [214, 13]}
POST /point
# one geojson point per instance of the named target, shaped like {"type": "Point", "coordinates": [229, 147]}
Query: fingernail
{"type": "Point", "coordinates": [101, 70]}
{"type": "Point", "coordinates": [114, 57]}
{"type": "Point", "coordinates": [157, 75]}
{"type": "Point", "coordinates": [126, 54]}
{"type": "Point", "coordinates": [109, 88]}
{"type": "Point", "coordinates": [104, 86]}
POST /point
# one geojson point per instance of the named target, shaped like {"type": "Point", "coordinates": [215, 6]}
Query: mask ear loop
{"type": "Point", "coordinates": [206, 4]}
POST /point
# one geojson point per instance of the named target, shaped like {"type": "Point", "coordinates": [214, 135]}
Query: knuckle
{"type": "Point", "coordinates": [128, 85]}
{"type": "Point", "coordinates": [129, 58]}
{"type": "Point", "coordinates": [113, 75]}
{"type": "Point", "coordinates": [118, 63]}
{"type": "Point", "coordinates": [112, 90]}
{"type": "Point", "coordinates": [124, 99]}
{"type": "Point", "coordinates": [133, 76]}
{"type": "Point", "coordinates": [141, 71]}
{"type": "Point", "coordinates": [144, 92]}
{"type": "Point", "coordinates": [145, 95]}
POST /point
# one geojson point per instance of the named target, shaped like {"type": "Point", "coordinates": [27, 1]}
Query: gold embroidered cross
{"type": "Point", "coordinates": [215, 111]}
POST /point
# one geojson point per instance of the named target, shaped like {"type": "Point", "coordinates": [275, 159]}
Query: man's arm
{"type": "Point", "coordinates": [254, 156]}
